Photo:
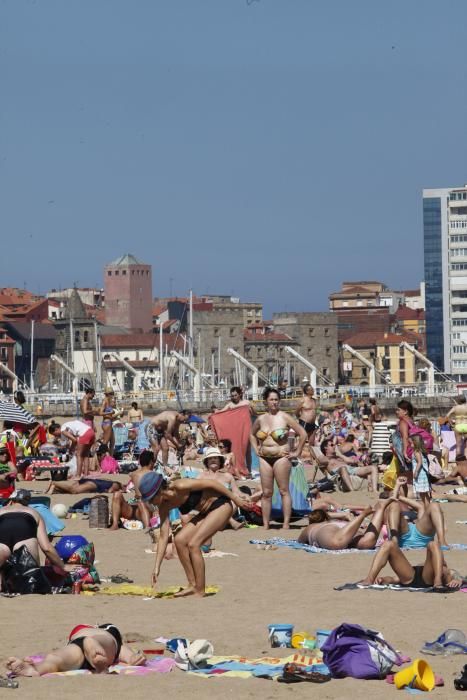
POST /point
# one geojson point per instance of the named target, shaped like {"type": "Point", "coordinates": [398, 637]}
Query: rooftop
{"type": "Point", "coordinates": [125, 260]}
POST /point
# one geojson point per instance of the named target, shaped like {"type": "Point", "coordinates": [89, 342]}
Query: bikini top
{"type": "Point", "coordinates": [277, 435]}
{"type": "Point", "coordinates": [191, 502]}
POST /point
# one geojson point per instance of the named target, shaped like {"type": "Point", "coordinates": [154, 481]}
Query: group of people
{"type": "Point", "coordinates": [337, 442]}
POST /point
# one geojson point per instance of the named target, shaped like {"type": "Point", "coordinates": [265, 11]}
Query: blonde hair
{"type": "Point", "coordinates": [418, 444]}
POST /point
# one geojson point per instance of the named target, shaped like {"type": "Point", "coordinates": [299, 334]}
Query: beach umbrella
{"type": "Point", "coordinates": [10, 411]}
{"type": "Point", "coordinates": [195, 419]}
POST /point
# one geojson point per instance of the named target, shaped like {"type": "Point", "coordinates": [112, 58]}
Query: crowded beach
{"type": "Point", "coordinates": [234, 542]}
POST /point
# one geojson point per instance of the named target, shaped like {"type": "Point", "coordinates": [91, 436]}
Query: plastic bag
{"type": "Point", "coordinates": [22, 574]}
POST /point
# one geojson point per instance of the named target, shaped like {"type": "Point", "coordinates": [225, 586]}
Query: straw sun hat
{"type": "Point", "coordinates": [213, 452]}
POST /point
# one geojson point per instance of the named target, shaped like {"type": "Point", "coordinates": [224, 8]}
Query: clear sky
{"type": "Point", "coordinates": [263, 148]}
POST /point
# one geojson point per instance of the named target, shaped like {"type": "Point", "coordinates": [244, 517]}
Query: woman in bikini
{"type": "Point", "coordinates": [332, 531]}
{"type": "Point", "coordinates": [269, 438]}
{"type": "Point", "coordinates": [89, 648]}
{"type": "Point", "coordinates": [208, 502]}
{"type": "Point", "coordinates": [109, 413]}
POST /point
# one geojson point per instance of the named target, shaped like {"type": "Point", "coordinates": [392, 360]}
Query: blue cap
{"type": "Point", "coordinates": [150, 485]}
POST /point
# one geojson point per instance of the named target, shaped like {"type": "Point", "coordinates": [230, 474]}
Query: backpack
{"type": "Point", "coordinates": [358, 652]}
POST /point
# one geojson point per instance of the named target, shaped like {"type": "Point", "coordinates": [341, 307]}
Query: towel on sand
{"type": "Point", "coordinates": [164, 665]}
{"type": "Point", "coordinates": [265, 667]}
{"type": "Point", "coordinates": [146, 591]}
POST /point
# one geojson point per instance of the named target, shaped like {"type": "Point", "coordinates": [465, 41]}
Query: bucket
{"type": "Point", "coordinates": [418, 675]}
{"type": "Point", "coordinates": [302, 640]}
{"type": "Point", "coordinates": [321, 637]}
{"type": "Point", "coordinates": [280, 635]}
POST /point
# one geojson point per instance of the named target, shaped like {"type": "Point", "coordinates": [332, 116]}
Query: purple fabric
{"type": "Point", "coordinates": [350, 650]}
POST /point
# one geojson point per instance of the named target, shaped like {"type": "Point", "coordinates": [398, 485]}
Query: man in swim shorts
{"type": "Point", "coordinates": [418, 534]}
{"type": "Point", "coordinates": [85, 485]}
{"type": "Point", "coordinates": [306, 413]}
{"type": "Point", "coordinates": [458, 419]}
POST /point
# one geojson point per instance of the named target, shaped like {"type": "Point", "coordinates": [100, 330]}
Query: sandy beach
{"type": "Point", "coordinates": [257, 588]}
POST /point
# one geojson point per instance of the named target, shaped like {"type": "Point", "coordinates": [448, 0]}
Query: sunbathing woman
{"type": "Point", "coordinates": [269, 435]}
{"type": "Point", "coordinates": [332, 531]}
{"type": "Point", "coordinates": [89, 648]}
{"type": "Point", "coordinates": [210, 504]}
{"type": "Point", "coordinates": [434, 573]}
{"type": "Point", "coordinates": [428, 523]}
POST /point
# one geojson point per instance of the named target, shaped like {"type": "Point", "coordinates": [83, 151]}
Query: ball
{"type": "Point", "coordinates": [60, 510]}
{"type": "Point", "coordinates": [68, 544]}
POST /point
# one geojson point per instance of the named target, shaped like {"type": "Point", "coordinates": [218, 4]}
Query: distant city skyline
{"type": "Point", "coordinates": [266, 150]}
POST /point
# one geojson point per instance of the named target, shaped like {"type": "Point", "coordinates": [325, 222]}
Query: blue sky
{"type": "Point", "coordinates": [268, 149]}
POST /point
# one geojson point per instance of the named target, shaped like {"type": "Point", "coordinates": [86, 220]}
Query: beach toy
{"type": "Point", "coordinates": [303, 640]}
{"type": "Point", "coordinates": [60, 510]}
{"type": "Point", "coordinates": [419, 675]}
{"type": "Point", "coordinates": [280, 635]}
{"type": "Point", "coordinates": [68, 544]}
{"type": "Point", "coordinates": [321, 637]}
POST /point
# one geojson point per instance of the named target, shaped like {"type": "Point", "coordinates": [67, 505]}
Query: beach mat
{"type": "Point", "coordinates": [145, 591]}
{"type": "Point", "coordinates": [293, 544]}
{"type": "Point", "coordinates": [392, 587]}
{"type": "Point", "coordinates": [164, 665]}
{"type": "Point", "coordinates": [265, 667]}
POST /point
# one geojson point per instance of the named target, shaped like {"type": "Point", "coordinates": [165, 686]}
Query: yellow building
{"type": "Point", "coordinates": [391, 361]}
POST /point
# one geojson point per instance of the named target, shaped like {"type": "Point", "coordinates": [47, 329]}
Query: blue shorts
{"type": "Point", "coordinates": [414, 539]}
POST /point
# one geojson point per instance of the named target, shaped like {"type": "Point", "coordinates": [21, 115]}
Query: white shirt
{"type": "Point", "coordinates": [76, 427]}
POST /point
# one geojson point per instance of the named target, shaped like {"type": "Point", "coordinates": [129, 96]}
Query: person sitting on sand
{"type": "Point", "coordinates": [434, 573]}
{"type": "Point", "coordinates": [214, 463]}
{"type": "Point", "coordinates": [21, 525]}
{"type": "Point", "coordinates": [332, 465]}
{"type": "Point", "coordinates": [85, 485]}
{"type": "Point", "coordinates": [90, 648]}
{"type": "Point", "coordinates": [211, 504]}
{"type": "Point", "coordinates": [132, 509]}
{"type": "Point", "coordinates": [340, 531]}
{"type": "Point", "coordinates": [458, 475]}
{"type": "Point", "coordinates": [428, 524]}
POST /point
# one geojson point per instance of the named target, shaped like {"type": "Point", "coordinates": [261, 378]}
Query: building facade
{"type": "Point", "coordinates": [315, 335]}
{"type": "Point", "coordinates": [128, 294]}
{"type": "Point", "coordinates": [445, 258]}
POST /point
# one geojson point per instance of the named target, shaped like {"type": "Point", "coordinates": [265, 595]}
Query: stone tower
{"type": "Point", "coordinates": [128, 294]}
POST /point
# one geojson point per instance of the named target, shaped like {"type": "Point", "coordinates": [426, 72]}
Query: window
{"type": "Point", "coordinates": [123, 272]}
{"type": "Point", "coordinates": [401, 363]}
{"type": "Point", "coordinates": [311, 332]}
{"type": "Point", "coordinates": [364, 371]}
{"type": "Point", "coordinates": [310, 351]}
{"type": "Point", "coordinates": [77, 337]}
{"type": "Point", "coordinates": [324, 371]}
{"type": "Point", "coordinates": [231, 332]}
{"type": "Point", "coordinates": [117, 272]}
{"type": "Point", "coordinates": [458, 266]}
{"type": "Point", "coordinates": [106, 357]}
{"type": "Point", "coordinates": [326, 332]}
{"type": "Point", "coordinates": [328, 351]}
{"type": "Point", "coordinates": [109, 273]}
{"type": "Point", "coordinates": [216, 332]}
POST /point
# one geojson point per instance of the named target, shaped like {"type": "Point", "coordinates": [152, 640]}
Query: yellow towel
{"type": "Point", "coordinates": [146, 591]}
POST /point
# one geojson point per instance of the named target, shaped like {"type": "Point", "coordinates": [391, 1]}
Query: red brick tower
{"type": "Point", "coordinates": [128, 294]}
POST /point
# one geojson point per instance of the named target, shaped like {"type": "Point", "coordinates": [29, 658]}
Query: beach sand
{"type": "Point", "coordinates": [257, 588]}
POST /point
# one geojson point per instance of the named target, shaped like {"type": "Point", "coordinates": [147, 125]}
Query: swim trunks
{"type": "Point", "coordinates": [414, 539]}
{"type": "Point", "coordinates": [308, 427]}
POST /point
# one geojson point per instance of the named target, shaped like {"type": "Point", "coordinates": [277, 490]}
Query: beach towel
{"type": "Point", "coordinates": [391, 587]}
{"type": "Point", "coordinates": [53, 525]}
{"type": "Point", "coordinates": [146, 591]}
{"type": "Point", "coordinates": [265, 667]}
{"type": "Point", "coordinates": [293, 544]}
{"type": "Point", "coordinates": [164, 665]}
{"type": "Point", "coordinates": [449, 441]}
{"type": "Point", "coordinates": [298, 490]}
{"type": "Point", "coordinates": [234, 425]}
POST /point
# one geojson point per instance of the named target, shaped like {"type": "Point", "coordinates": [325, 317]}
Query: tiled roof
{"type": "Point", "coordinates": [370, 339]}
{"type": "Point", "coordinates": [132, 340]}
{"type": "Point", "coordinates": [405, 313]}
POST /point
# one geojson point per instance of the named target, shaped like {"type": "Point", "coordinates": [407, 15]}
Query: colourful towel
{"type": "Point", "coordinates": [164, 665]}
{"type": "Point", "coordinates": [234, 425]}
{"type": "Point", "coordinates": [298, 487]}
{"type": "Point", "coordinates": [265, 667]}
{"type": "Point", "coordinates": [293, 544]}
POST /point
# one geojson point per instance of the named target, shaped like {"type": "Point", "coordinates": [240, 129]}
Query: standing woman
{"type": "Point", "coordinates": [109, 413]}
{"type": "Point", "coordinates": [208, 502]}
{"type": "Point", "coordinates": [400, 437]}
{"type": "Point", "coordinates": [268, 438]}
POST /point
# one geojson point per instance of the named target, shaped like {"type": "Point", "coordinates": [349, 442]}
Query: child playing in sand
{"type": "Point", "coordinates": [421, 481]}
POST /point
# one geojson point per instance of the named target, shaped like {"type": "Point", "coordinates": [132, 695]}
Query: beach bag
{"type": "Point", "coordinates": [432, 469]}
{"type": "Point", "coordinates": [22, 574]}
{"type": "Point", "coordinates": [109, 465]}
{"type": "Point", "coordinates": [358, 652]}
{"type": "Point", "coordinates": [427, 438]}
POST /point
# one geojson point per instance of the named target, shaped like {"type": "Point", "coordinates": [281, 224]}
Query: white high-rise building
{"type": "Point", "coordinates": [445, 252]}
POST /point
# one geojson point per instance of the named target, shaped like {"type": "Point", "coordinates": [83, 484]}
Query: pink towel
{"type": "Point", "coordinates": [234, 425]}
